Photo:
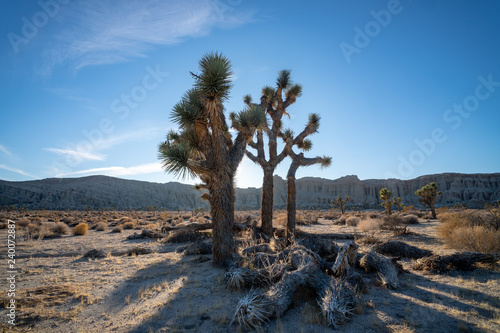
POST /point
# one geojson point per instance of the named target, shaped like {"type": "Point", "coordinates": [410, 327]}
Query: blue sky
{"type": "Point", "coordinates": [404, 88]}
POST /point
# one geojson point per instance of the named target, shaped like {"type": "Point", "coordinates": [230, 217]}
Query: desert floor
{"type": "Point", "coordinates": [59, 290]}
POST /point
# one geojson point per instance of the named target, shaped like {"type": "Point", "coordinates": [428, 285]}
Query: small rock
{"type": "Point", "coordinates": [96, 254]}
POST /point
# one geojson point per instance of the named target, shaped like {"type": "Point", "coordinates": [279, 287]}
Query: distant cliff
{"type": "Point", "coordinates": [96, 192]}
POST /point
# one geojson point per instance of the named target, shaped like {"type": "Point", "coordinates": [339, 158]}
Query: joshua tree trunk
{"type": "Point", "coordinates": [267, 201]}
{"type": "Point", "coordinates": [291, 202]}
{"type": "Point", "coordinates": [433, 210]}
{"type": "Point", "coordinates": [222, 212]}
{"type": "Point", "coordinates": [298, 160]}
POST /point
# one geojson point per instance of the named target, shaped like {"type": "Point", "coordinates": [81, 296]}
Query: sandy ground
{"type": "Point", "coordinates": [60, 291]}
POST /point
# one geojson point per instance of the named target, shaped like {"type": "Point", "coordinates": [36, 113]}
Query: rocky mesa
{"type": "Point", "coordinates": [97, 192]}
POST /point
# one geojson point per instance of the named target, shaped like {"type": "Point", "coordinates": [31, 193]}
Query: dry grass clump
{"type": "Point", "coordinates": [60, 228]}
{"type": "Point", "coordinates": [130, 224]}
{"type": "Point", "coordinates": [395, 223]}
{"type": "Point", "coordinates": [101, 226]}
{"type": "Point", "coordinates": [307, 218]}
{"type": "Point", "coordinates": [118, 228]}
{"type": "Point", "coordinates": [352, 221]}
{"type": "Point", "coordinates": [369, 224]}
{"type": "Point", "coordinates": [470, 230]}
{"type": "Point", "coordinates": [38, 231]}
{"type": "Point", "coordinates": [37, 219]}
{"type": "Point", "coordinates": [477, 239]}
{"type": "Point", "coordinates": [410, 219]}
{"type": "Point", "coordinates": [81, 229]}
{"type": "Point", "coordinates": [24, 222]}
{"type": "Point", "coordinates": [3, 225]}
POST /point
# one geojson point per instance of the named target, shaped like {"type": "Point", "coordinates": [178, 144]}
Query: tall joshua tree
{"type": "Point", "coordinates": [275, 102]}
{"type": "Point", "coordinates": [299, 160]}
{"type": "Point", "coordinates": [385, 195]}
{"type": "Point", "coordinates": [428, 194]}
{"type": "Point", "coordinates": [204, 147]}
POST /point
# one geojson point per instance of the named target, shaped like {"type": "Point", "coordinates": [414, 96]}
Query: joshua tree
{"type": "Point", "coordinates": [339, 202]}
{"type": "Point", "coordinates": [299, 160]}
{"type": "Point", "coordinates": [385, 195]}
{"type": "Point", "coordinates": [275, 105]}
{"type": "Point", "coordinates": [428, 194]}
{"type": "Point", "coordinates": [397, 202]}
{"type": "Point", "coordinates": [204, 147]}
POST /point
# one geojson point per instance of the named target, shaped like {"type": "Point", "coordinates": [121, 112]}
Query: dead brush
{"type": "Point", "coordinates": [235, 279]}
{"type": "Point", "coordinates": [470, 230]}
{"type": "Point", "coordinates": [338, 303]}
{"type": "Point", "coordinates": [396, 224]}
{"type": "Point", "coordinates": [252, 310]}
{"type": "Point", "coordinates": [369, 224]}
{"type": "Point", "coordinates": [60, 228]}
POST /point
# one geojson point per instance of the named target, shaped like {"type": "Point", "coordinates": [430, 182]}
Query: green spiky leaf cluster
{"type": "Point", "coordinates": [428, 193]}
{"type": "Point", "coordinates": [215, 78]}
{"type": "Point", "coordinates": [251, 118]}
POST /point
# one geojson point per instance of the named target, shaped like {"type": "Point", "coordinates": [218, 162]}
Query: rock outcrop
{"type": "Point", "coordinates": [97, 192]}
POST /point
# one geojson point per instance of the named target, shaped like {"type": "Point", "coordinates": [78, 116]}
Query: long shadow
{"type": "Point", "coordinates": [186, 310]}
{"type": "Point", "coordinates": [432, 320]}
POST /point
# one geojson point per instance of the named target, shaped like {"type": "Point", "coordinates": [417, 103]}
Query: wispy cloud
{"type": "Point", "coordinates": [93, 149]}
{"type": "Point", "coordinates": [117, 171]}
{"type": "Point", "coordinates": [84, 155]}
{"type": "Point", "coordinates": [98, 32]}
{"type": "Point", "coordinates": [4, 151]}
{"type": "Point", "coordinates": [19, 171]}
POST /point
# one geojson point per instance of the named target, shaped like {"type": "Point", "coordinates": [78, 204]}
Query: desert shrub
{"type": "Point", "coordinates": [183, 236]}
{"type": "Point", "coordinates": [38, 231]}
{"type": "Point", "coordinates": [281, 218]}
{"type": "Point", "coordinates": [60, 228]}
{"type": "Point", "coordinates": [306, 218]}
{"type": "Point", "coordinates": [125, 219]}
{"type": "Point", "coordinates": [81, 229]}
{"type": "Point", "coordinates": [37, 219]}
{"type": "Point", "coordinates": [470, 230]}
{"type": "Point", "coordinates": [129, 225]}
{"type": "Point", "coordinates": [407, 209]}
{"type": "Point", "coordinates": [3, 225]}
{"type": "Point", "coordinates": [395, 223]}
{"type": "Point", "coordinates": [419, 213]}
{"type": "Point", "coordinates": [192, 219]}
{"type": "Point", "coordinates": [118, 228]}
{"type": "Point", "coordinates": [442, 210]}
{"type": "Point", "coordinates": [410, 219]}
{"type": "Point", "coordinates": [101, 226]}
{"type": "Point", "coordinates": [330, 215]}
{"type": "Point", "coordinates": [369, 224]}
{"type": "Point", "coordinates": [475, 238]}
{"type": "Point", "coordinates": [68, 219]}
{"type": "Point", "coordinates": [352, 221]}
{"type": "Point", "coordinates": [22, 222]}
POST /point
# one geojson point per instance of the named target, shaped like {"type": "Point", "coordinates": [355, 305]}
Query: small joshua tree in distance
{"type": "Point", "coordinates": [385, 195]}
{"type": "Point", "coordinates": [339, 202]}
{"type": "Point", "coordinates": [398, 202]}
{"type": "Point", "coordinates": [428, 194]}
